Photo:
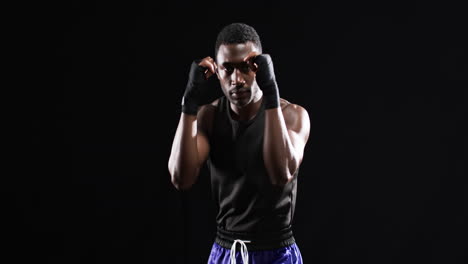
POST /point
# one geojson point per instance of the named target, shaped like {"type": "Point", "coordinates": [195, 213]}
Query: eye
{"type": "Point", "coordinates": [245, 68]}
{"type": "Point", "coordinates": [229, 69]}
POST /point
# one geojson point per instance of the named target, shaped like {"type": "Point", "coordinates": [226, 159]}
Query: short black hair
{"type": "Point", "coordinates": [236, 33]}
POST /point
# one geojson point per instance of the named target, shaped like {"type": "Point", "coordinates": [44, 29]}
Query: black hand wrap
{"type": "Point", "coordinates": [266, 80]}
{"type": "Point", "coordinates": [195, 89]}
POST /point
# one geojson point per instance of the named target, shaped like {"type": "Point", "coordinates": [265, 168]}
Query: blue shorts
{"type": "Point", "coordinates": [284, 255]}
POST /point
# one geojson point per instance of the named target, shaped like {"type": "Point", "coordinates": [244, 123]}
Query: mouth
{"type": "Point", "coordinates": [239, 93]}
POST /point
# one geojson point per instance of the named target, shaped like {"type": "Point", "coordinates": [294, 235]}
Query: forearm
{"type": "Point", "coordinates": [183, 161]}
{"type": "Point", "coordinates": [278, 150]}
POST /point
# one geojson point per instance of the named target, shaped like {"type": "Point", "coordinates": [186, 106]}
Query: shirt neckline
{"type": "Point", "coordinates": [242, 122]}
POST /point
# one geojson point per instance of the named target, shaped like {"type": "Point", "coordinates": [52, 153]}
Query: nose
{"type": "Point", "coordinates": [236, 78]}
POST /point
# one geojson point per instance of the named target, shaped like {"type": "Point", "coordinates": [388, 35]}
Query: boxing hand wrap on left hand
{"type": "Point", "coordinates": [266, 80]}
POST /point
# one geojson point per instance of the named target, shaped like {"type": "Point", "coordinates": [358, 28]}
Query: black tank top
{"type": "Point", "coordinates": [249, 206]}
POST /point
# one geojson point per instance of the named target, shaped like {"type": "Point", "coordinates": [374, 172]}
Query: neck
{"type": "Point", "coordinates": [248, 111]}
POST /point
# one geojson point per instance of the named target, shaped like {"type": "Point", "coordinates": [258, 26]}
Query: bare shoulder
{"type": "Point", "coordinates": [215, 102]}
{"type": "Point", "coordinates": [294, 115]}
{"type": "Point", "coordinates": [205, 116]}
{"type": "Point", "coordinates": [291, 109]}
{"type": "Point", "coordinates": [208, 108]}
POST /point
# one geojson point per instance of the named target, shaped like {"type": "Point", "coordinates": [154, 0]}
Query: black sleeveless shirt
{"type": "Point", "coordinates": [249, 206]}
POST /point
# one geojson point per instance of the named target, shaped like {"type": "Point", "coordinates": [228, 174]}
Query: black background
{"type": "Point", "coordinates": [382, 177]}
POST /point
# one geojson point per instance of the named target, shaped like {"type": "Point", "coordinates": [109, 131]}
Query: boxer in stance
{"type": "Point", "coordinates": [253, 142]}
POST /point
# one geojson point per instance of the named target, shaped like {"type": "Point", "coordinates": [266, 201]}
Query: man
{"type": "Point", "coordinates": [253, 142]}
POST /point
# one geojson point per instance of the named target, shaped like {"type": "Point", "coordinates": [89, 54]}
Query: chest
{"type": "Point", "coordinates": [237, 146]}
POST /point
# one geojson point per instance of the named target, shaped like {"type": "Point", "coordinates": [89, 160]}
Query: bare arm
{"type": "Point", "coordinates": [286, 133]}
{"type": "Point", "coordinates": [190, 147]}
{"type": "Point", "coordinates": [189, 151]}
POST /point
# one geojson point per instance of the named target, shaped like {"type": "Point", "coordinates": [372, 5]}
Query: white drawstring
{"type": "Point", "coordinates": [245, 257]}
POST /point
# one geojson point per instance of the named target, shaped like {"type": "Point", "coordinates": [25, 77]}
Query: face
{"type": "Point", "coordinates": [235, 75]}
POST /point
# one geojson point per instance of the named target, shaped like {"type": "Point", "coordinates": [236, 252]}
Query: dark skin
{"type": "Point", "coordinates": [286, 132]}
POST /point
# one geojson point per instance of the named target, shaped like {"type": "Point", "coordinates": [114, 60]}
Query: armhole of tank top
{"type": "Point", "coordinates": [291, 197]}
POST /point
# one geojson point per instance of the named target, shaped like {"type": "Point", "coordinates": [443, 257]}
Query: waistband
{"type": "Point", "coordinates": [257, 241]}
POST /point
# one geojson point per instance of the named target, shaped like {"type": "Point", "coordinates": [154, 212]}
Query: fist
{"type": "Point", "coordinates": [210, 66]}
{"type": "Point", "coordinates": [265, 71]}
{"type": "Point", "coordinates": [266, 80]}
{"type": "Point", "coordinates": [200, 89]}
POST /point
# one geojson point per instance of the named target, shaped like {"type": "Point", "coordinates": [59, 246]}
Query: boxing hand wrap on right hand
{"type": "Point", "coordinates": [266, 80]}
{"type": "Point", "coordinates": [195, 89]}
